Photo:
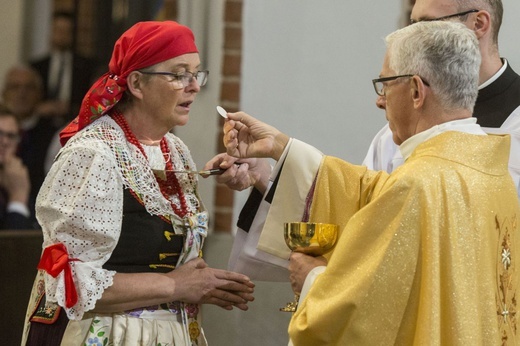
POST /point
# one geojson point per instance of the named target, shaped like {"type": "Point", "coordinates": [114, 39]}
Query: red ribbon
{"type": "Point", "coordinates": [55, 259]}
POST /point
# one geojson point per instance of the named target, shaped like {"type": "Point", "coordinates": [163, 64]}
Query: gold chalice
{"type": "Point", "coordinates": [314, 239]}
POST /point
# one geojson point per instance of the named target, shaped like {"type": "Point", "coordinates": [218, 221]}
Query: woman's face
{"type": "Point", "coordinates": [163, 101]}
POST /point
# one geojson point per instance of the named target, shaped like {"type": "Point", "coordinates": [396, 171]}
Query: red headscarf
{"type": "Point", "coordinates": [143, 45]}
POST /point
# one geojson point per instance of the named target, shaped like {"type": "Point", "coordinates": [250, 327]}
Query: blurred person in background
{"type": "Point", "coordinates": [66, 74]}
{"type": "Point", "coordinates": [14, 177]}
{"type": "Point", "coordinates": [22, 94]}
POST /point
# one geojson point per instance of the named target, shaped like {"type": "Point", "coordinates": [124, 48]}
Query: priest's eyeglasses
{"type": "Point", "coordinates": [460, 14]}
{"type": "Point", "coordinates": [182, 80]}
{"type": "Point", "coordinates": [379, 83]}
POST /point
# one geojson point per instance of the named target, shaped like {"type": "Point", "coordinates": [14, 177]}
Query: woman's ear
{"type": "Point", "coordinates": [134, 82]}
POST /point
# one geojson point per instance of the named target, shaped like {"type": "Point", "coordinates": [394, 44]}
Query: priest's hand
{"type": "Point", "coordinates": [245, 136]}
{"type": "Point", "coordinates": [247, 173]}
{"type": "Point", "coordinates": [300, 266]}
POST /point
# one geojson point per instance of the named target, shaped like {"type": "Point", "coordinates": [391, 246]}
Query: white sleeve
{"type": "Point", "coordinates": [80, 205]}
{"type": "Point", "coordinates": [290, 198]}
{"type": "Point", "coordinates": [309, 280]}
{"type": "Point", "coordinates": [261, 252]}
{"type": "Point", "coordinates": [512, 127]}
{"type": "Point", "coordinates": [247, 259]}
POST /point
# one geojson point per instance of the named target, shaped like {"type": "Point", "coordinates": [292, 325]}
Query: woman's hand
{"type": "Point", "coordinates": [195, 282]}
{"type": "Point", "coordinates": [242, 175]}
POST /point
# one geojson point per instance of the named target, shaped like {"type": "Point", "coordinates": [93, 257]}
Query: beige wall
{"type": "Point", "coordinates": [11, 33]}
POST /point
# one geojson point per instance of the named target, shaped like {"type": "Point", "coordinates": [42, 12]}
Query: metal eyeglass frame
{"type": "Point", "coordinates": [460, 14]}
{"type": "Point", "coordinates": [185, 78]}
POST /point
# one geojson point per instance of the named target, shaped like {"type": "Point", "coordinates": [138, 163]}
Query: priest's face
{"type": "Point", "coordinates": [398, 105]}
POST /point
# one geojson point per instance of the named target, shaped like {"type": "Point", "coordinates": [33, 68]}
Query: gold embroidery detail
{"type": "Point", "coordinates": [194, 329]}
{"type": "Point", "coordinates": [168, 235]}
{"type": "Point", "coordinates": [506, 272]}
{"type": "Point", "coordinates": [165, 255]}
{"type": "Point", "coordinates": [155, 266]}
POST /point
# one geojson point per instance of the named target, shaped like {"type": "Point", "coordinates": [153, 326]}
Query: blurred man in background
{"type": "Point", "coordinates": [14, 177]}
{"type": "Point", "coordinates": [66, 74]}
{"type": "Point", "coordinates": [22, 94]}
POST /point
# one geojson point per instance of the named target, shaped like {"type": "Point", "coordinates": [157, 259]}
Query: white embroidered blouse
{"type": "Point", "coordinates": [81, 202]}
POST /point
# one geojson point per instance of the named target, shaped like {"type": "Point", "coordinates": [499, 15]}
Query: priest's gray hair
{"type": "Point", "coordinates": [444, 54]}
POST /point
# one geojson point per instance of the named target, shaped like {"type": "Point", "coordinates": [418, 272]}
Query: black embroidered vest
{"type": "Point", "coordinates": [146, 244]}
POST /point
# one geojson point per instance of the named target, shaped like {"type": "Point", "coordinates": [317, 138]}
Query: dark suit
{"type": "Point", "coordinates": [83, 70]}
{"type": "Point", "coordinates": [11, 220]}
{"type": "Point", "coordinates": [33, 150]}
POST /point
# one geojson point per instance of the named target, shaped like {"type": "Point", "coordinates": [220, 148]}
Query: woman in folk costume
{"type": "Point", "coordinates": [122, 232]}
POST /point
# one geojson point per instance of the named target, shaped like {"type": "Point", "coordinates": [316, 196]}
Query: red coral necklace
{"type": "Point", "coordinates": [170, 185]}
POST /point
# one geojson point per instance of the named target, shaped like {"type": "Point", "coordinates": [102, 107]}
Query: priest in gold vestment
{"type": "Point", "coordinates": [427, 255]}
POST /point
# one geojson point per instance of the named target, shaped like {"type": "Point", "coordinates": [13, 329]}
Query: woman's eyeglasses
{"type": "Point", "coordinates": [182, 80]}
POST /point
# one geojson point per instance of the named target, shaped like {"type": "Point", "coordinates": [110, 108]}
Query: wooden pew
{"type": "Point", "coordinates": [20, 252]}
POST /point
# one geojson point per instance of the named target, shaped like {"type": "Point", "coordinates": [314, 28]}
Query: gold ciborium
{"type": "Point", "coordinates": [314, 239]}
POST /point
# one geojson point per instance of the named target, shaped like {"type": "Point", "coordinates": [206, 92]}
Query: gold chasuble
{"type": "Point", "coordinates": [427, 256]}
